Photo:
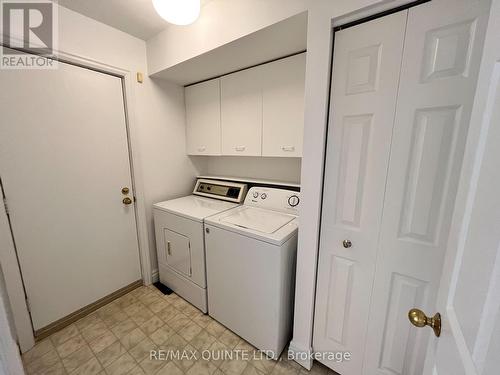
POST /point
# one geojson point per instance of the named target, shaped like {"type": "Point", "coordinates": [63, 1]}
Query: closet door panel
{"type": "Point", "coordinates": [438, 80]}
{"type": "Point", "coordinates": [367, 59]}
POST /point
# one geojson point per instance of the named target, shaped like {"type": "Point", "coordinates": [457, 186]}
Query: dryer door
{"type": "Point", "coordinates": [178, 251]}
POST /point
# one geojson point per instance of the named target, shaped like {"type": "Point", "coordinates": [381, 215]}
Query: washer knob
{"type": "Point", "coordinates": [263, 196]}
{"type": "Point", "coordinates": [255, 194]}
{"type": "Point", "coordinates": [293, 201]}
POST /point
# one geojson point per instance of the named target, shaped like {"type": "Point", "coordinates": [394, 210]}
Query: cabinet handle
{"type": "Point", "coordinates": [240, 148]}
{"type": "Point", "coordinates": [169, 250]}
{"type": "Point", "coordinates": [202, 148]}
{"type": "Point", "coordinates": [288, 148]}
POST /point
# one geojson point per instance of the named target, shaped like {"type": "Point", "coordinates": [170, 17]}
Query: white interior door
{"type": "Point", "coordinates": [443, 46]}
{"type": "Point", "coordinates": [469, 298]}
{"type": "Point", "coordinates": [367, 59]}
{"type": "Point", "coordinates": [470, 342]}
{"type": "Point", "coordinates": [63, 162]}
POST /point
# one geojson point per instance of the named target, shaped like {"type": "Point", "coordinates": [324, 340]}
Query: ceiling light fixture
{"type": "Point", "coordinates": [178, 12]}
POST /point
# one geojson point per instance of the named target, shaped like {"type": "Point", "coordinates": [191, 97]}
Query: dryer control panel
{"type": "Point", "coordinates": [282, 200]}
{"type": "Point", "coordinates": [223, 190]}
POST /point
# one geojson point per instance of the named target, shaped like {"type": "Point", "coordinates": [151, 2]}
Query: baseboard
{"type": "Point", "coordinates": [155, 275]}
{"type": "Point", "coordinates": [299, 353]}
{"type": "Point", "coordinates": [84, 311]}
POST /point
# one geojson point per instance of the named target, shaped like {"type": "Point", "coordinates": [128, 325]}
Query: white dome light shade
{"type": "Point", "coordinates": [178, 12]}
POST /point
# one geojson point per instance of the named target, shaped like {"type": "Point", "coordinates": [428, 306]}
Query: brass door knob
{"type": "Point", "coordinates": [125, 190]}
{"type": "Point", "coordinates": [127, 200]}
{"type": "Point", "coordinates": [419, 319]}
{"type": "Point", "coordinates": [347, 243]}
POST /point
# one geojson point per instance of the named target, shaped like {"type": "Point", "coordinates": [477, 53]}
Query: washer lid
{"type": "Point", "coordinates": [264, 221]}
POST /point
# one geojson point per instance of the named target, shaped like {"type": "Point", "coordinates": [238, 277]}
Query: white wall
{"type": "Point", "coordinates": [167, 171]}
{"type": "Point", "coordinates": [281, 169]}
{"type": "Point", "coordinates": [220, 22]}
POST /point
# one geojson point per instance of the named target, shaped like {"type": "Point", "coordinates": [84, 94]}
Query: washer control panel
{"type": "Point", "coordinates": [294, 200]}
{"type": "Point", "coordinates": [274, 199]}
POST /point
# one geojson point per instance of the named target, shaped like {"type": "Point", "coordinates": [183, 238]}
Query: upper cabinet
{"type": "Point", "coordinates": [241, 113]}
{"type": "Point", "coordinates": [254, 112]}
{"type": "Point", "coordinates": [203, 130]}
{"type": "Point", "coordinates": [283, 84]}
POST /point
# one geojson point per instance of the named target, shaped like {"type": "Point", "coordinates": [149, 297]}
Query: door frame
{"type": "Point", "coordinates": [8, 255]}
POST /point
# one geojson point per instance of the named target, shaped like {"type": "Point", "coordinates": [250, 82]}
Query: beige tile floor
{"type": "Point", "coordinates": [117, 340]}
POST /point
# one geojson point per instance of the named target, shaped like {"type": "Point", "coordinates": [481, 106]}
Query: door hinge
{"type": "Point", "coordinates": [28, 304]}
{"type": "Point", "coordinates": [6, 205]}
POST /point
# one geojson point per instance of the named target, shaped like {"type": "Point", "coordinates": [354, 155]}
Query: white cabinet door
{"type": "Point", "coordinates": [241, 113]}
{"type": "Point", "coordinates": [203, 131]}
{"type": "Point", "coordinates": [283, 106]}
{"type": "Point", "coordinates": [364, 91]}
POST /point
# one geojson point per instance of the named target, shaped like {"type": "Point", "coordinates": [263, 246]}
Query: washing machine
{"type": "Point", "coordinates": [251, 254]}
{"type": "Point", "coordinates": [179, 230]}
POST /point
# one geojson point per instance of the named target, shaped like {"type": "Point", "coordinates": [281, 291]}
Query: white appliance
{"type": "Point", "coordinates": [251, 252]}
{"type": "Point", "coordinates": [179, 236]}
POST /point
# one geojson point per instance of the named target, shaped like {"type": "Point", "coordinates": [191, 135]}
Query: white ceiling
{"type": "Point", "coordinates": [135, 17]}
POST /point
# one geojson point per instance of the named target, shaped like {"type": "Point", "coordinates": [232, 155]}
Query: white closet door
{"type": "Point", "coordinates": [283, 106]}
{"type": "Point", "coordinates": [241, 113]}
{"type": "Point", "coordinates": [63, 162]}
{"type": "Point", "coordinates": [439, 73]}
{"type": "Point", "coordinates": [367, 61]}
{"type": "Point", "coordinates": [203, 132]}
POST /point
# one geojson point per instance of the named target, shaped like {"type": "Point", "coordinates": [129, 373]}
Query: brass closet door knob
{"type": "Point", "coordinates": [347, 244]}
{"type": "Point", "coordinates": [127, 200]}
{"type": "Point", "coordinates": [420, 320]}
